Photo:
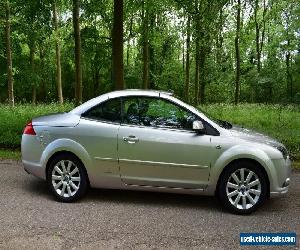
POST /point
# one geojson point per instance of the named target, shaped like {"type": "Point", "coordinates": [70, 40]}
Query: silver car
{"type": "Point", "coordinates": [151, 141]}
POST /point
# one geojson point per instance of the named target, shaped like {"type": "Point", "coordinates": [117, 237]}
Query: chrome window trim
{"type": "Point", "coordinates": [101, 121]}
{"type": "Point", "coordinates": [160, 128]}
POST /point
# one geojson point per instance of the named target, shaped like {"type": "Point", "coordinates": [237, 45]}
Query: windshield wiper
{"type": "Point", "coordinates": [225, 124]}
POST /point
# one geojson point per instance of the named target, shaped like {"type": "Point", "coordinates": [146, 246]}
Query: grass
{"type": "Point", "coordinates": [14, 119]}
{"type": "Point", "coordinates": [296, 165]}
{"type": "Point", "coordinates": [10, 154]}
{"type": "Point", "coordinates": [280, 122]}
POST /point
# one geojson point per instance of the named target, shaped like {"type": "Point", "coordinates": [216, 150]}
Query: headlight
{"type": "Point", "coordinates": [283, 151]}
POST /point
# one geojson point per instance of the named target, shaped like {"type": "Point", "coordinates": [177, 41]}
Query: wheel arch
{"type": "Point", "coordinates": [65, 145]}
{"type": "Point", "coordinates": [239, 153]}
{"type": "Point", "coordinates": [62, 152]}
{"type": "Point", "coordinates": [254, 161]}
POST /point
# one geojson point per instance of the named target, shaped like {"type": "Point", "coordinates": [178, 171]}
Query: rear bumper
{"type": "Point", "coordinates": [31, 154]}
{"type": "Point", "coordinates": [34, 169]}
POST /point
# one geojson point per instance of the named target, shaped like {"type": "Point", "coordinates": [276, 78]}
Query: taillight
{"type": "Point", "coordinates": [28, 130]}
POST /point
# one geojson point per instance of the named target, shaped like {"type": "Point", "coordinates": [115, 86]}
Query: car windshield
{"type": "Point", "coordinates": [221, 123]}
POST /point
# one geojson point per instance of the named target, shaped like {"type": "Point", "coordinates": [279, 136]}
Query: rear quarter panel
{"type": "Point", "coordinates": [81, 142]}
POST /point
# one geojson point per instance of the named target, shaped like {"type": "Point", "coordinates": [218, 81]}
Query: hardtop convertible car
{"type": "Point", "coordinates": [150, 140]}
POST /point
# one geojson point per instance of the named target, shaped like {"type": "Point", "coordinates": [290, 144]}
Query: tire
{"type": "Point", "coordinates": [242, 195]}
{"type": "Point", "coordinates": [67, 178]}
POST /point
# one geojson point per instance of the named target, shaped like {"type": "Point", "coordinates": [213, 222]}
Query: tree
{"type": "Point", "coordinates": [187, 64]}
{"type": "Point", "coordinates": [204, 51]}
{"type": "Point", "coordinates": [57, 51]}
{"type": "Point", "coordinates": [10, 80]}
{"type": "Point", "coordinates": [237, 53]}
{"type": "Point", "coordinates": [145, 35]}
{"type": "Point", "coordinates": [260, 26]}
{"type": "Point", "coordinates": [117, 46]}
{"type": "Point", "coordinates": [78, 70]}
{"type": "Point", "coordinates": [32, 28]}
{"type": "Point", "coordinates": [197, 52]}
{"type": "Point", "coordinates": [32, 65]}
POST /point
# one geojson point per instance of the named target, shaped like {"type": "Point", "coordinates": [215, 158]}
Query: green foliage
{"type": "Point", "coordinates": [277, 82]}
{"type": "Point", "coordinates": [13, 120]}
{"type": "Point", "coordinates": [10, 154]}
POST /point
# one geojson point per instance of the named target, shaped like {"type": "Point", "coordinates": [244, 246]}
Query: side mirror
{"type": "Point", "coordinates": [198, 127]}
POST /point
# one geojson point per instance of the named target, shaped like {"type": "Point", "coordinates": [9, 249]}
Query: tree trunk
{"type": "Point", "coordinates": [257, 35]}
{"type": "Point", "coordinates": [260, 27]}
{"type": "Point", "coordinates": [152, 66]}
{"type": "Point", "coordinates": [117, 46]}
{"type": "Point", "coordinates": [42, 68]}
{"type": "Point", "coordinates": [220, 39]}
{"type": "Point", "coordinates": [152, 62]}
{"type": "Point", "coordinates": [197, 53]}
{"type": "Point", "coordinates": [183, 54]}
{"type": "Point", "coordinates": [78, 73]}
{"type": "Point", "coordinates": [237, 53]}
{"type": "Point", "coordinates": [145, 47]}
{"type": "Point", "coordinates": [263, 27]}
{"type": "Point", "coordinates": [96, 81]}
{"type": "Point", "coordinates": [187, 64]}
{"type": "Point", "coordinates": [289, 78]}
{"type": "Point", "coordinates": [128, 44]}
{"type": "Point", "coordinates": [32, 53]}
{"type": "Point", "coordinates": [57, 51]}
{"type": "Point", "coordinates": [10, 80]}
{"type": "Point", "coordinates": [196, 100]}
{"type": "Point", "coordinates": [202, 58]}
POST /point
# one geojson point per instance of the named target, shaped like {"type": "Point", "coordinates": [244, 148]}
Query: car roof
{"type": "Point", "coordinates": [119, 93]}
{"type": "Point", "coordinates": [126, 92]}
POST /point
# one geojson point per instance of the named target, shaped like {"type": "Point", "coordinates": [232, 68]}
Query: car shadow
{"type": "Point", "coordinates": [40, 188]}
{"type": "Point", "coordinates": [205, 203]}
{"type": "Point", "coordinates": [153, 198]}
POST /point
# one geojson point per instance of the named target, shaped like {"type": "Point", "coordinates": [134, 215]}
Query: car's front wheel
{"type": "Point", "coordinates": [67, 178]}
{"type": "Point", "coordinates": [242, 187]}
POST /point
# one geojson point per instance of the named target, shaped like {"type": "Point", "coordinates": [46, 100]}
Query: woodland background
{"type": "Point", "coordinates": [206, 51]}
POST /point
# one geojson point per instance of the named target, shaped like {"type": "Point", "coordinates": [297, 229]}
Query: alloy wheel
{"type": "Point", "coordinates": [243, 189]}
{"type": "Point", "coordinates": [66, 178]}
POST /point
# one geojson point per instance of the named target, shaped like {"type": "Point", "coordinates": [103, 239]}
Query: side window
{"type": "Point", "coordinates": [106, 111]}
{"type": "Point", "coordinates": [156, 112]}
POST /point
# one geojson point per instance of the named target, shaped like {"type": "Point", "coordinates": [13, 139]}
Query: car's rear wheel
{"type": "Point", "coordinates": [67, 178]}
{"type": "Point", "coordinates": [242, 187]}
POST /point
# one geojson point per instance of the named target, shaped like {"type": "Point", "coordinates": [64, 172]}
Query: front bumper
{"type": "Point", "coordinates": [281, 178]}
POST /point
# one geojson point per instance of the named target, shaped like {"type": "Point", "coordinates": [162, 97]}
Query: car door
{"type": "Point", "coordinates": [98, 133]}
{"type": "Point", "coordinates": [157, 147]}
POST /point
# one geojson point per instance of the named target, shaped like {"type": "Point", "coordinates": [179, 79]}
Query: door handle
{"type": "Point", "coordinates": [130, 139]}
